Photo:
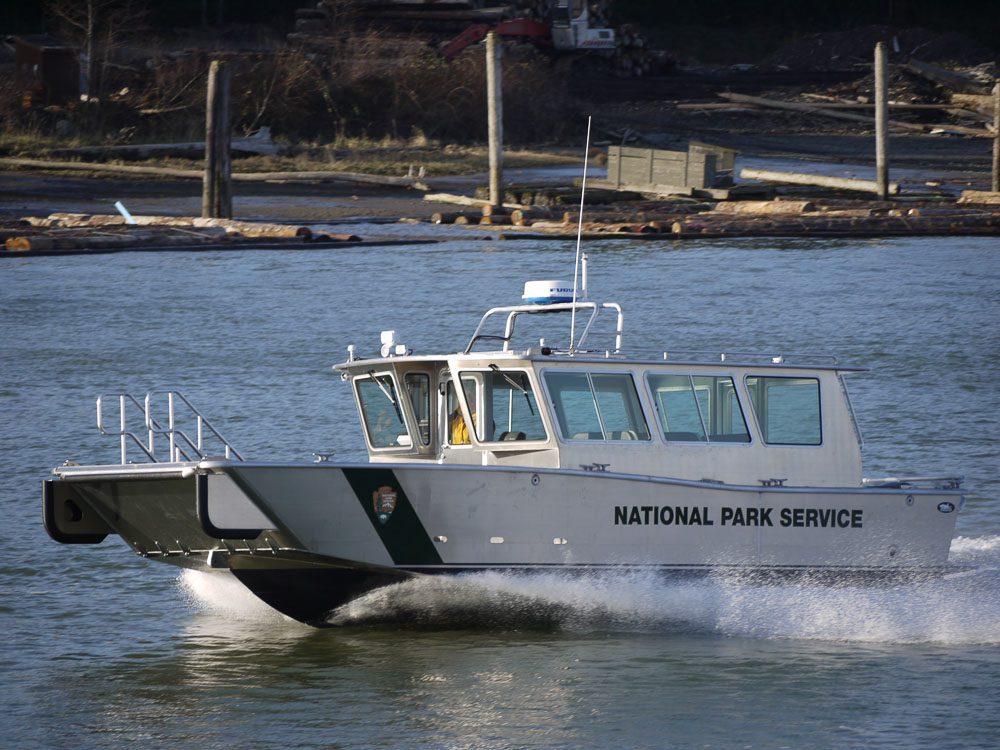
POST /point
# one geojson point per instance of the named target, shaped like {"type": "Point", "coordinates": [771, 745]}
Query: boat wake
{"type": "Point", "coordinates": [961, 608]}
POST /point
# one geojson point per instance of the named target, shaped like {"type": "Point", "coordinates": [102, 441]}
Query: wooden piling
{"type": "Point", "coordinates": [881, 122]}
{"type": "Point", "coordinates": [996, 138]}
{"type": "Point", "coordinates": [217, 193]}
{"type": "Point", "coordinates": [495, 116]}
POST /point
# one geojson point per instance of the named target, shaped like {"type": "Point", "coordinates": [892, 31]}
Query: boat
{"type": "Point", "coordinates": [521, 454]}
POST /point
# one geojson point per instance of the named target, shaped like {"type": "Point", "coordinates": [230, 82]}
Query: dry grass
{"type": "Point", "coordinates": [388, 157]}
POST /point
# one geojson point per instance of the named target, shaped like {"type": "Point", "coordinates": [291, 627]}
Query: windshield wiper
{"type": "Point", "coordinates": [387, 393]}
{"type": "Point", "coordinates": [516, 385]}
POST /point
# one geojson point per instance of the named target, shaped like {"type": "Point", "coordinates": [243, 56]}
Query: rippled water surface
{"type": "Point", "coordinates": [108, 650]}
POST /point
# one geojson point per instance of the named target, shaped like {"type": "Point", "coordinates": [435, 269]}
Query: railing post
{"type": "Point", "coordinates": [121, 426]}
{"type": "Point", "coordinates": [149, 426]}
{"type": "Point", "coordinates": [996, 138]}
{"type": "Point", "coordinates": [170, 424]}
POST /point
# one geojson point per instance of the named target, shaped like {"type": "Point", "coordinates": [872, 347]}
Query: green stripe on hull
{"type": "Point", "coordinates": [401, 531]}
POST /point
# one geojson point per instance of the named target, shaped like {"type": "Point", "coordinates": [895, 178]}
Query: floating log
{"type": "Point", "coordinates": [256, 145]}
{"type": "Point", "coordinates": [189, 226]}
{"type": "Point", "coordinates": [325, 176]}
{"type": "Point", "coordinates": [190, 174]}
{"type": "Point", "coordinates": [23, 243]}
{"type": "Point", "coordinates": [463, 200]}
{"type": "Point", "coordinates": [499, 220]}
{"type": "Point", "coordinates": [981, 103]}
{"type": "Point", "coordinates": [949, 212]}
{"type": "Point", "coordinates": [441, 217]}
{"type": "Point", "coordinates": [525, 216]}
{"type": "Point", "coordinates": [795, 178]}
{"type": "Point", "coordinates": [983, 197]}
{"type": "Point", "coordinates": [814, 110]}
{"type": "Point", "coordinates": [949, 78]}
{"type": "Point", "coordinates": [554, 226]}
{"type": "Point", "coordinates": [764, 207]}
{"type": "Point", "coordinates": [117, 168]}
{"type": "Point", "coordinates": [773, 226]}
{"type": "Point", "coordinates": [491, 210]}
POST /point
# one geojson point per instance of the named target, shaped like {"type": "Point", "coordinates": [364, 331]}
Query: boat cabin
{"type": "Point", "coordinates": [730, 418]}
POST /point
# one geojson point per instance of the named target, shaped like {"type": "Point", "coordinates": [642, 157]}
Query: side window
{"type": "Point", "coordinates": [418, 386]}
{"type": "Point", "coordinates": [618, 406]}
{"type": "Point", "coordinates": [677, 407]}
{"type": "Point", "coordinates": [787, 409]}
{"type": "Point", "coordinates": [699, 408]}
{"type": "Point", "coordinates": [596, 406]}
{"type": "Point", "coordinates": [510, 410]}
{"type": "Point", "coordinates": [383, 417]}
{"type": "Point", "coordinates": [575, 407]}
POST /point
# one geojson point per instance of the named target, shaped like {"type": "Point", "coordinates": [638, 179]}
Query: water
{"type": "Point", "coordinates": [107, 650]}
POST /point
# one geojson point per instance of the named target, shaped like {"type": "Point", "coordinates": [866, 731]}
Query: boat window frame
{"type": "Point", "coordinates": [401, 406]}
{"type": "Point", "coordinates": [429, 405]}
{"type": "Point", "coordinates": [478, 372]}
{"type": "Point", "coordinates": [756, 416]}
{"type": "Point", "coordinates": [544, 373]}
{"type": "Point", "coordinates": [690, 375]}
{"type": "Point", "coordinates": [448, 388]}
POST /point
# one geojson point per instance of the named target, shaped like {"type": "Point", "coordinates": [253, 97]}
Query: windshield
{"type": "Point", "coordinates": [381, 412]}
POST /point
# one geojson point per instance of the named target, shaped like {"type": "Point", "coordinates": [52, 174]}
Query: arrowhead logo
{"type": "Point", "coordinates": [384, 503]}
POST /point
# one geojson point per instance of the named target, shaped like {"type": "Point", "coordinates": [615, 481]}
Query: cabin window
{"type": "Point", "coordinates": [383, 415]}
{"type": "Point", "coordinates": [596, 406]}
{"type": "Point", "coordinates": [787, 409]}
{"type": "Point", "coordinates": [457, 428]}
{"type": "Point", "coordinates": [507, 403]}
{"type": "Point", "coordinates": [418, 386]}
{"type": "Point", "coordinates": [698, 408]}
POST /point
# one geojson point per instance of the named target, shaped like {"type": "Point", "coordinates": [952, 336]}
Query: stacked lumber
{"type": "Point", "coordinates": [633, 57]}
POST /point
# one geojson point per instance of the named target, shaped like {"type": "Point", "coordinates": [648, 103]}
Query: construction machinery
{"type": "Point", "coordinates": [567, 30]}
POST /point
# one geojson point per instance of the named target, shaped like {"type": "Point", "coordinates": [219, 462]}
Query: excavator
{"type": "Point", "coordinates": [569, 30]}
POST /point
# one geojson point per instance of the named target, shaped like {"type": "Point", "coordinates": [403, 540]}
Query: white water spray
{"type": "Point", "coordinates": [963, 608]}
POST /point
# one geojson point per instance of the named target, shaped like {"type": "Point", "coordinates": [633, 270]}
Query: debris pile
{"type": "Point", "coordinates": [853, 48]}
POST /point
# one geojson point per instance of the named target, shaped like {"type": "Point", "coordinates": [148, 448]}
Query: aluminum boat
{"type": "Point", "coordinates": [514, 454]}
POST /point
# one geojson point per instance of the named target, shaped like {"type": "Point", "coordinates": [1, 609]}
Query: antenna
{"type": "Point", "coordinates": [579, 233]}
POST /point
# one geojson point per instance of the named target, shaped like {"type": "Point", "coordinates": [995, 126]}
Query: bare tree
{"type": "Point", "coordinates": [97, 27]}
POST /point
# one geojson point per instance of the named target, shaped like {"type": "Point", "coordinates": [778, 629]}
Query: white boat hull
{"type": "Point", "coordinates": [307, 538]}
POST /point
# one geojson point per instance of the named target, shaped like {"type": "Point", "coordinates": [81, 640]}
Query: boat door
{"type": "Point", "coordinates": [452, 416]}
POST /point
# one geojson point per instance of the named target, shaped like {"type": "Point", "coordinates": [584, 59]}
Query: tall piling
{"type": "Point", "coordinates": [217, 192]}
{"type": "Point", "coordinates": [996, 138]}
{"type": "Point", "coordinates": [494, 85]}
{"type": "Point", "coordinates": [881, 122]}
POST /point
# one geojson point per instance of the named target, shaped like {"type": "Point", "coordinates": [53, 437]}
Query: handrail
{"type": "Point", "coordinates": [180, 445]}
{"type": "Point", "coordinates": [123, 433]}
{"type": "Point", "coordinates": [513, 311]}
{"type": "Point", "coordinates": [693, 356]}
